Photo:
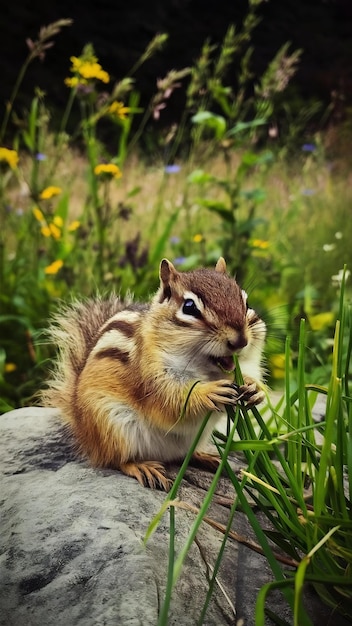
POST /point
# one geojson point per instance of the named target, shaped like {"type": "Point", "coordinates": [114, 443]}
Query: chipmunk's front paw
{"type": "Point", "coordinates": [251, 392]}
{"type": "Point", "coordinates": [218, 393]}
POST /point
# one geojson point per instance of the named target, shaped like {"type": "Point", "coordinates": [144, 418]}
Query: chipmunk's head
{"type": "Point", "coordinates": [208, 314]}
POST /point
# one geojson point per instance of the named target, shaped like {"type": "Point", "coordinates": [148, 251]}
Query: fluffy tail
{"type": "Point", "coordinates": [74, 330]}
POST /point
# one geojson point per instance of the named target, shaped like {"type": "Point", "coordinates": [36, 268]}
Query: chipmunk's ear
{"type": "Point", "coordinates": [221, 266]}
{"type": "Point", "coordinates": [168, 273]}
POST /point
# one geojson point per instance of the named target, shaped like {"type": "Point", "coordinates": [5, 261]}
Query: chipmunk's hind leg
{"type": "Point", "coordinates": [205, 461]}
{"type": "Point", "coordinates": [148, 473]}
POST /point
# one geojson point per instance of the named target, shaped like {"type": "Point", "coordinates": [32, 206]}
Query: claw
{"type": "Point", "coordinates": [148, 473]}
{"type": "Point", "coordinates": [251, 393]}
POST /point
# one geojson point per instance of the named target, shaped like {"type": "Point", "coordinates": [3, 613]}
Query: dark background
{"type": "Point", "coordinates": [120, 31]}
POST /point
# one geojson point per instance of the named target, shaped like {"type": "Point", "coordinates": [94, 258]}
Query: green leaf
{"type": "Point", "coordinates": [29, 136]}
{"type": "Point", "coordinates": [219, 208]}
{"type": "Point", "coordinates": [5, 407]}
{"type": "Point", "coordinates": [250, 160]}
{"type": "Point", "coordinates": [2, 360]}
{"type": "Point", "coordinates": [157, 252]}
{"type": "Point", "coordinates": [27, 140]}
{"type": "Point", "coordinates": [62, 207]}
{"type": "Point", "coordinates": [252, 444]}
{"type": "Point", "coordinates": [241, 126]}
{"type": "Point", "coordinates": [217, 123]}
{"type": "Point", "coordinates": [257, 195]}
{"type": "Point", "coordinates": [134, 191]}
{"type": "Point", "coordinates": [200, 177]}
{"type": "Point", "coordinates": [18, 319]}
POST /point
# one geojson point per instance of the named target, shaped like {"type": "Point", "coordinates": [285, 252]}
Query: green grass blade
{"type": "Point", "coordinates": [299, 583]}
{"type": "Point", "coordinates": [348, 405]}
{"type": "Point", "coordinates": [332, 409]}
{"type": "Point", "coordinates": [296, 451]}
{"type": "Point", "coordinates": [260, 610]}
{"type": "Point", "coordinates": [163, 615]}
{"type": "Point", "coordinates": [158, 249]}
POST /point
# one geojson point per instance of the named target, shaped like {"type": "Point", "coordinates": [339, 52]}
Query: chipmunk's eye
{"type": "Point", "coordinates": [190, 308]}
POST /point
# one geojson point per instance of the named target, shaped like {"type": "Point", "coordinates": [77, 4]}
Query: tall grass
{"type": "Point", "coordinates": [299, 477]}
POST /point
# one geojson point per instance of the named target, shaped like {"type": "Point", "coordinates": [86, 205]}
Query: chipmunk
{"type": "Point", "coordinates": [134, 381]}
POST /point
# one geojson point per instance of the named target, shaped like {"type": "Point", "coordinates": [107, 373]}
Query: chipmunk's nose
{"type": "Point", "coordinates": [237, 343]}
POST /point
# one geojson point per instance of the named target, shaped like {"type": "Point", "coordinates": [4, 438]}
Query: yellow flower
{"type": "Point", "coordinates": [38, 214]}
{"type": "Point", "coordinates": [45, 230]}
{"type": "Point", "coordinates": [10, 367]}
{"type": "Point", "coordinates": [118, 109]}
{"type": "Point", "coordinates": [72, 82]}
{"type": "Point", "coordinates": [9, 156]}
{"type": "Point", "coordinates": [74, 225]}
{"type": "Point", "coordinates": [322, 320]}
{"type": "Point", "coordinates": [85, 69]}
{"type": "Point", "coordinates": [55, 231]}
{"type": "Point", "coordinates": [198, 238]}
{"type": "Point", "coordinates": [277, 363]}
{"type": "Point", "coordinates": [90, 71]}
{"type": "Point", "coordinates": [54, 267]}
{"type": "Point", "coordinates": [58, 221]}
{"type": "Point", "coordinates": [109, 169]}
{"type": "Point", "coordinates": [49, 192]}
{"type": "Point", "coordinates": [76, 63]}
{"type": "Point", "coordinates": [260, 243]}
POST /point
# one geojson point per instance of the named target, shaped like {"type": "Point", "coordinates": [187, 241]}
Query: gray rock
{"type": "Point", "coordinates": [72, 549]}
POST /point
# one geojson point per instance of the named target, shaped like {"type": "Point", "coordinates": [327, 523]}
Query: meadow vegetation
{"type": "Point", "coordinates": [93, 200]}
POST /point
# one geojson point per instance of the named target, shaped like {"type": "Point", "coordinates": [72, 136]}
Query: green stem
{"type": "Point", "coordinates": [140, 129]}
{"type": "Point", "coordinates": [10, 103]}
{"type": "Point", "coordinates": [2, 255]}
{"type": "Point", "coordinates": [66, 114]}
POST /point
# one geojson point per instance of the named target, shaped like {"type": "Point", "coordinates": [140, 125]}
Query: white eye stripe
{"type": "Point", "coordinates": [244, 296]}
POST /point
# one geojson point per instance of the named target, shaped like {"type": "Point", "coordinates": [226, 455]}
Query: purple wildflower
{"type": "Point", "coordinates": [174, 240]}
{"type": "Point", "coordinates": [179, 260]}
{"type": "Point", "coordinates": [308, 192]}
{"type": "Point", "coordinates": [309, 147]}
{"type": "Point", "coordinates": [172, 169]}
{"type": "Point", "coordinates": [40, 156]}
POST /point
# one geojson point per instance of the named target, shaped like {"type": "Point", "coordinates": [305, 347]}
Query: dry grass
{"type": "Point", "coordinates": [304, 199]}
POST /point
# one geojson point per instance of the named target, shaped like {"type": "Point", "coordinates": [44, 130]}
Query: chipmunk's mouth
{"type": "Point", "coordinates": [224, 362]}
